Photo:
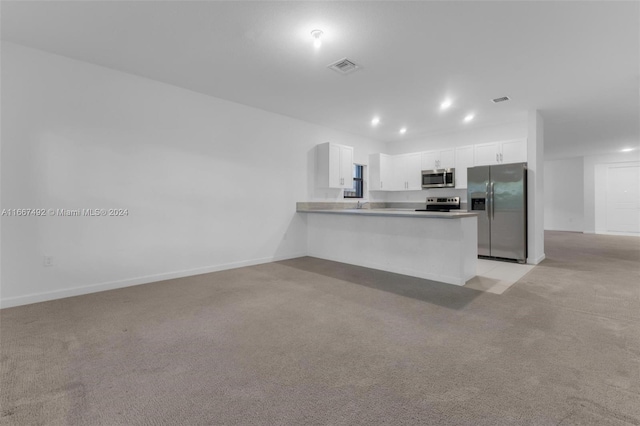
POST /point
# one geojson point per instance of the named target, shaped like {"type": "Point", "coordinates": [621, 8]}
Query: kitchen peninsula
{"type": "Point", "coordinates": [439, 246]}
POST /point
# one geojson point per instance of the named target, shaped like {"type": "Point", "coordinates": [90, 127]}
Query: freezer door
{"type": "Point", "coordinates": [478, 202]}
{"type": "Point", "coordinates": [508, 215]}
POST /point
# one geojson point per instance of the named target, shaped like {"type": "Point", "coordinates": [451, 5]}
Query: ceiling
{"type": "Point", "coordinates": [577, 62]}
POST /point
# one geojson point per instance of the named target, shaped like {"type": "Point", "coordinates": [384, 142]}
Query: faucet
{"type": "Point", "coordinates": [359, 205]}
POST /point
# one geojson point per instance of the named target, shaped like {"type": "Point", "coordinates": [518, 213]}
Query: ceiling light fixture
{"type": "Point", "coordinates": [375, 121]}
{"type": "Point", "coordinates": [445, 104]}
{"type": "Point", "coordinates": [626, 149]}
{"type": "Point", "coordinates": [403, 130]}
{"type": "Point", "coordinates": [502, 99]}
{"type": "Point", "coordinates": [317, 38]}
{"type": "Point", "coordinates": [468, 118]}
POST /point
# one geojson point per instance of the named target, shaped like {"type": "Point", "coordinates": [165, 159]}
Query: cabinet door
{"type": "Point", "coordinates": [464, 160]}
{"type": "Point", "coordinates": [413, 169]}
{"type": "Point", "coordinates": [486, 154]}
{"type": "Point", "coordinates": [514, 151]}
{"type": "Point", "coordinates": [430, 160]}
{"type": "Point", "coordinates": [398, 166]}
{"type": "Point", "coordinates": [447, 159]}
{"type": "Point", "coordinates": [346, 166]}
{"type": "Point", "coordinates": [386, 173]}
{"type": "Point", "coordinates": [379, 172]}
{"type": "Point", "coordinates": [334, 166]}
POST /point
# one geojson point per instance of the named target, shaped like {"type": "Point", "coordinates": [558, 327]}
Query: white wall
{"type": "Point", "coordinates": [208, 184]}
{"type": "Point", "coordinates": [535, 187]}
{"type": "Point", "coordinates": [564, 195]}
{"type": "Point", "coordinates": [467, 136]}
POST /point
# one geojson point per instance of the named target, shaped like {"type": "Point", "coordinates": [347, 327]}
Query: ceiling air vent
{"type": "Point", "coordinates": [502, 99]}
{"type": "Point", "coordinates": [343, 66]}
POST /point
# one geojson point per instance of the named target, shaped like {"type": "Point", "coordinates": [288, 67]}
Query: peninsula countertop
{"type": "Point", "coordinates": [390, 212]}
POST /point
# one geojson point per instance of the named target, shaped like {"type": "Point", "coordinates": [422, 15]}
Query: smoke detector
{"type": "Point", "coordinates": [343, 66]}
{"type": "Point", "coordinates": [502, 99]}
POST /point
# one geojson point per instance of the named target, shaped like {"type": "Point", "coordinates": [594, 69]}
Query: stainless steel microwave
{"type": "Point", "coordinates": [439, 178]}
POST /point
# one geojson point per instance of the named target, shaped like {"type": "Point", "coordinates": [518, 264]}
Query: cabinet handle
{"type": "Point", "coordinates": [497, 158]}
{"type": "Point", "coordinates": [501, 158]}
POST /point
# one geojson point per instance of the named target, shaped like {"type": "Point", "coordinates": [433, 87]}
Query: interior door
{"type": "Point", "coordinates": [508, 211]}
{"type": "Point", "coordinates": [623, 199]}
{"type": "Point", "coordinates": [478, 202]}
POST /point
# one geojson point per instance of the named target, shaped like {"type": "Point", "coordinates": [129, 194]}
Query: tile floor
{"type": "Point", "coordinates": [496, 277]}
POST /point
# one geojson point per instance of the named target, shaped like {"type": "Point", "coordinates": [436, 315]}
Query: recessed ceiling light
{"type": "Point", "coordinates": [626, 149]}
{"type": "Point", "coordinates": [403, 130]}
{"type": "Point", "coordinates": [468, 118]}
{"type": "Point", "coordinates": [317, 38]}
{"type": "Point", "coordinates": [375, 121]}
{"type": "Point", "coordinates": [445, 104]}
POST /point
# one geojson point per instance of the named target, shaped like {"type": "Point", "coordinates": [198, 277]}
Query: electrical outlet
{"type": "Point", "coordinates": [48, 260]}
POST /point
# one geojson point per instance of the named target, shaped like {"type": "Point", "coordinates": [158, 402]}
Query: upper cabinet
{"type": "Point", "coordinates": [438, 159]}
{"type": "Point", "coordinates": [407, 172]}
{"type": "Point", "coordinates": [403, 172]}
{"type": "Point", "coordinates": [334, 165]}
{"type": "Point", "coordinates": [514, 151]}
{"type": "Point", "coordinates": [380, 172]}
{"type": "Point", "coordinates": [464, 160]}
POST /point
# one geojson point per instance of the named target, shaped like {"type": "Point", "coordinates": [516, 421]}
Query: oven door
{"type": "Point", "coordinates": [442, 178]}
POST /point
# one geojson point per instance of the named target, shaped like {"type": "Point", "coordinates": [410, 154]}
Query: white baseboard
{"type": "Point", "coordinates": [624, 234]}
{"type": "Point", "coordinates": [112, 285]}
{"type": "Point", "coordinates": [537, 260]}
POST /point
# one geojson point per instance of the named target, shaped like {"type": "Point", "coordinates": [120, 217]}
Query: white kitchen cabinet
{"type": "Point", "coordinates": [334, 166]}
{"type": "Point", "coordinates": [514, 151]}
{"type": "Point", "coordinates": [380, 172]}
{"type": "Point", "coordinates": [438, 159]}
{"type": "Point", "coordinates": [407, 172]}
{"type": "Point", "coordinates": [464, 160]}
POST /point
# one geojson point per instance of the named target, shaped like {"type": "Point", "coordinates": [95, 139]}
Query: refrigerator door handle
{"type": "Point", "coordinates": [488, 198]}
{"type": "Point", "coordinates": [493, 205]}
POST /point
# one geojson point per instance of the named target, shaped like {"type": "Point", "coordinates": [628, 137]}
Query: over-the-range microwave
{"type": "Point", "coordinates": [439, 178]}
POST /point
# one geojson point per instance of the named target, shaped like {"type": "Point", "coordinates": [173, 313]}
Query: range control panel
{"type": "Point", "coordinates": [443, 204]}
{"type": "Point", "coordinates": [443, 200]}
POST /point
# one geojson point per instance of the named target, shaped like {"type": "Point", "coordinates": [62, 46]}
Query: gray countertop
{"type": "Point", "coordinates": [391, 212]}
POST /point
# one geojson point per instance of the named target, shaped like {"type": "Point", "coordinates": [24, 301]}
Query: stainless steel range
{"type": "Point", "coordinates": [441, 204]}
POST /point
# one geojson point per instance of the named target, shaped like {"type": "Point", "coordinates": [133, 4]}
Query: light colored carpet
{"type": "Point", "coordinates": [307, 341]}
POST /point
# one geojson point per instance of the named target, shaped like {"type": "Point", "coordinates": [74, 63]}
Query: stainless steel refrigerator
{"type": "Point", "coordinates": [499, 195]}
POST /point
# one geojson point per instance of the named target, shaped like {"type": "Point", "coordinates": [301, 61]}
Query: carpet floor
{"type": "Point", "coordinates": [308, 341]}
